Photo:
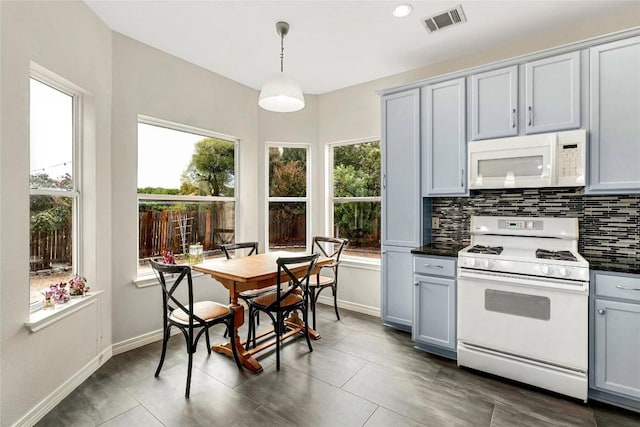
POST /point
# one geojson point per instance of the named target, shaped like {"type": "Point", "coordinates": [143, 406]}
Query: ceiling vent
{"type": "Point", "coordinates": [445, 19]}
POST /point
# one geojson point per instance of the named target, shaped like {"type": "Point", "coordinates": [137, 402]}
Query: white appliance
{"type": "Point", "coordinates": [543, 160]}
{"type": "Point", "coordinates": [523, 302]}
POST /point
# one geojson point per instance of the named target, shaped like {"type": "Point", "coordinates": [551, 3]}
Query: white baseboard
{"type": "Point", "coordinates": [58, 395]}
{"type": "Point", "coordinates": [347, 305]}
{"type": "Point", "coordinates": [139, 341]}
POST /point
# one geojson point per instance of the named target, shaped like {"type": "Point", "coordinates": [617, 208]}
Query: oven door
{"type": "Point", "coordinates": [516, 317]}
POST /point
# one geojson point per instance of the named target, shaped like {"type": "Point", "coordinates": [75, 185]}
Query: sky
{"type": "Point", "coordinates": [51, 130]}
{"type": "Point", "coordinates": [163, 154]}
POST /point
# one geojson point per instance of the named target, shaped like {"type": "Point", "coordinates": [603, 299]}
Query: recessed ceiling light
{"type": "Point", "coordinates": [402, 10]}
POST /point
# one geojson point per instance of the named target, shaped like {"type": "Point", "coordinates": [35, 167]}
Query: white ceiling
{"type": "Point", "coordinates": [332, 44]}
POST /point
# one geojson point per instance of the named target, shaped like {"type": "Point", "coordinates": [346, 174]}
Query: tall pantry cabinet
{"type": "Point", "coordinates": [401, 219]}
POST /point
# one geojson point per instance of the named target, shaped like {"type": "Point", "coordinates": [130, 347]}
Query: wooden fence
{"type": "Point", "coordinates": [172, 230]}
{"type": "Point", "coordinates": [51, 249]}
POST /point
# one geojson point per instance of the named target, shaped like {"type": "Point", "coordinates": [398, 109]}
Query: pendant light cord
{"type": "Point", "coordinates": [281, 53]}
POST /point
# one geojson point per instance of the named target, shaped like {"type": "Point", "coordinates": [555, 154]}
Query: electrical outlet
{"type": "Point", "coordinates": [435, 223]}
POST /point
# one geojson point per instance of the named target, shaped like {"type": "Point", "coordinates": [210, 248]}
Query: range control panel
{"type": "Point", "coordinates": [520, 225]}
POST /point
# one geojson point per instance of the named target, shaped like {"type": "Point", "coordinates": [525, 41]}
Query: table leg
{"type": "Point", "coordinates": [246, 359]}
{"type": "Point", "coordinates": [296, 320]}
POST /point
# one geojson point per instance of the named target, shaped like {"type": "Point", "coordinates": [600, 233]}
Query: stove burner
{"type": "Point", "coordinates": [555, 255]}
{"type": "Point", "coordinates": [490, 250]}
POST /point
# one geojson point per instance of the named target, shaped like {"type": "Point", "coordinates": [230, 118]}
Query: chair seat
{"type": "Point", "coordinates": [252, 293]}
{"type": "Point", "coordinates": [268, 299]}
{"type": "Point", "coordinates": [206, 310]}
{"type": "Point", "coordinates": [324, 281]}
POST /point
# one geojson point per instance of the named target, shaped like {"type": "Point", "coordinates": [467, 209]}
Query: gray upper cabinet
{"type": "Point", "coordinates": [552, 93]}
{"type": "Point", "coordinates": [615, 117]}
{"type": "Point", "coordinates": [401, 169]}
{"type": "Point", "coordinates": [494, 103]}
{"type": "Point", "coordinates": [444, 139]}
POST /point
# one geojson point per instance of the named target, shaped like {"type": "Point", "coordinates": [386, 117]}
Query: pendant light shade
{"type": "Point", "coordinates": [281, 93]}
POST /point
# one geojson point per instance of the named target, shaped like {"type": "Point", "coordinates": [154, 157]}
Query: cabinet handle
{"type": "Point", "coordinates": [416, 284]}
{"type": "Point", "coordinates": [530, 115]}
{"type": "Point", "coordinates": [462, 178]}
{"type": "Point", "coordinates": [384, 181]}
{"type": "Point", "coordinates": [601, 311]}
{"type": "Point", "coordinates": [513, 118]}
{"type": "Point", "coordinates": [626, 288]}
{"type": "Point", "coordinates": [433, 266]}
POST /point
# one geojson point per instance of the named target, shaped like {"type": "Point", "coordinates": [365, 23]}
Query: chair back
{"type": "Point", "coordinates": [330, 247]}
{"type": "Point", "coordinates": [229, 247]}
{"type": "Point", "coordinates": [170, 301]}
{"type": "Point", "coordinates": [296, 283]}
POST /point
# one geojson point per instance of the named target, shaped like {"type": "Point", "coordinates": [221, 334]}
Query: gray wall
{"type": "Point", "coordinates": [77, 45]}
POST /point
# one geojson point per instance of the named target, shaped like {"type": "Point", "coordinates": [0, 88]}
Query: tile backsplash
{"type": "Point", "coordinates": [609, 225]}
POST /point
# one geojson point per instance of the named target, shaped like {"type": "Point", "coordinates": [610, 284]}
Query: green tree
{"type": "Point", "coordinates": [211, 170]}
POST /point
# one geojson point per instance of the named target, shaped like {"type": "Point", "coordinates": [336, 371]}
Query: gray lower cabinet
{"type": "Point", "coordinates": [615, 339]}
{"type": "Point", "coordinates": [444, 141]}
{"type": "Point", "coordinates": [434, 305]}
{"type": "Point", "coordinates": [397, 289]}
{"type": "Point", "coordinates": [615, 117]}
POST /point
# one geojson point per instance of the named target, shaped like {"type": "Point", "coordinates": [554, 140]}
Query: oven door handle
{"type": "Point", "coordinates": [526, 281]}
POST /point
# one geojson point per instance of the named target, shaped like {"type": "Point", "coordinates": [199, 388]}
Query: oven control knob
{"type": "Point", "coordinates": [546, 269]}
{"type": "Point", "coordinates": [487, 263]}
{"type": "Point", "coordinates": [470, 262]}
{"type": "Point", "coordinates": [564, 272]}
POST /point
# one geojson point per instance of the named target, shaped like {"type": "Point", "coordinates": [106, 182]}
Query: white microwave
{"type": "Point", "coordinates": [544, 160]}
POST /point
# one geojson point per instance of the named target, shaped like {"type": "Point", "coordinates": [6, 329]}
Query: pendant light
{"type": "Point", "coordinates": [281, 93]}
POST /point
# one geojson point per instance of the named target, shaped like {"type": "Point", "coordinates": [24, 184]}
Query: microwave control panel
{"type": "Point", "coordinates": [569, 159]}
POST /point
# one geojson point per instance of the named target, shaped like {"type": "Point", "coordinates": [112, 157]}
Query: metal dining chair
{"type": "Point", "coordinates": [291, 294]}
{"type": "Point", "coordinates": [230, 251]}
{"type": "Point", "coordinates": [193, 319]}
{"type": "Point", "coordinates": [330, 247]}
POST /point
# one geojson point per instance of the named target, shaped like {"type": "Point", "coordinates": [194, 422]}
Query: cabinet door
{"type": "Point", "coordinates": [552, 95]}
{"type": "Point", "coordinates": [401, 169]}
{"type": "Point", "coordinates": [434, 311]}
{"type": "Point", "coordinates": [617, 347]}
{"type": "Point", "coordinates": [397, 292]}
{"type": "Point", "coordinates": [494, 100]}
{"type": "Point", "coordinates": [444, 141]}
{"type": "Point", "coordinates": [615, 117]}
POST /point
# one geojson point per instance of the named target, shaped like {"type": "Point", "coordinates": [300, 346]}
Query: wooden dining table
{"type": "Point", "coordinates": [253, 272]}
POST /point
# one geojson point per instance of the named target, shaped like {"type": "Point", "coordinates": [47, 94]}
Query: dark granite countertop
{"type": "Point", "coordinates": [438, 249]}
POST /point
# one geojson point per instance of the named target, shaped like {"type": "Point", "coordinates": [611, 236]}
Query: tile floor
{"type": "Point", "coordinates": [359, 374]}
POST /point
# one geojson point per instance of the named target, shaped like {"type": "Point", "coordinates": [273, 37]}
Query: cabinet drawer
{"type": "Point", "coordinates": [434, 266]}
{"type": "Point", "coordinates": [623, 287]}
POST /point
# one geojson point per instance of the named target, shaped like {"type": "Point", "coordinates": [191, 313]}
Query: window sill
{"type": "Point", "coordinates": [42, 318]}
{"type": "Point", "coordinates": [361, 263]}
{"type": "Point", "coordinates": [151, 280]}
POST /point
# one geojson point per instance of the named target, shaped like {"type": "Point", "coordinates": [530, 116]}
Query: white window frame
{"type": "Point", "coordinates": [306, 200]}
{"type": "Point", "coordinates": [331, 199]}
{"type": "Point", "coordinates": [148, 120]}
{"type": "Point", "coordinates": [58, 83]}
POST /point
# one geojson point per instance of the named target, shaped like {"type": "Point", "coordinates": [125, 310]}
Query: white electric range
{"type": "Point", "coordinates": [523, 302]}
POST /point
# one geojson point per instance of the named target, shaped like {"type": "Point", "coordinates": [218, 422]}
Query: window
{"type": "Point", "coordinates": [288, 196]}
{"type": "Point", "coordinates": [186, 192]}
{"type": "Point", "coordinates": [354, 192]}
{"type": "Point", "coordinates": [54, 187]}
